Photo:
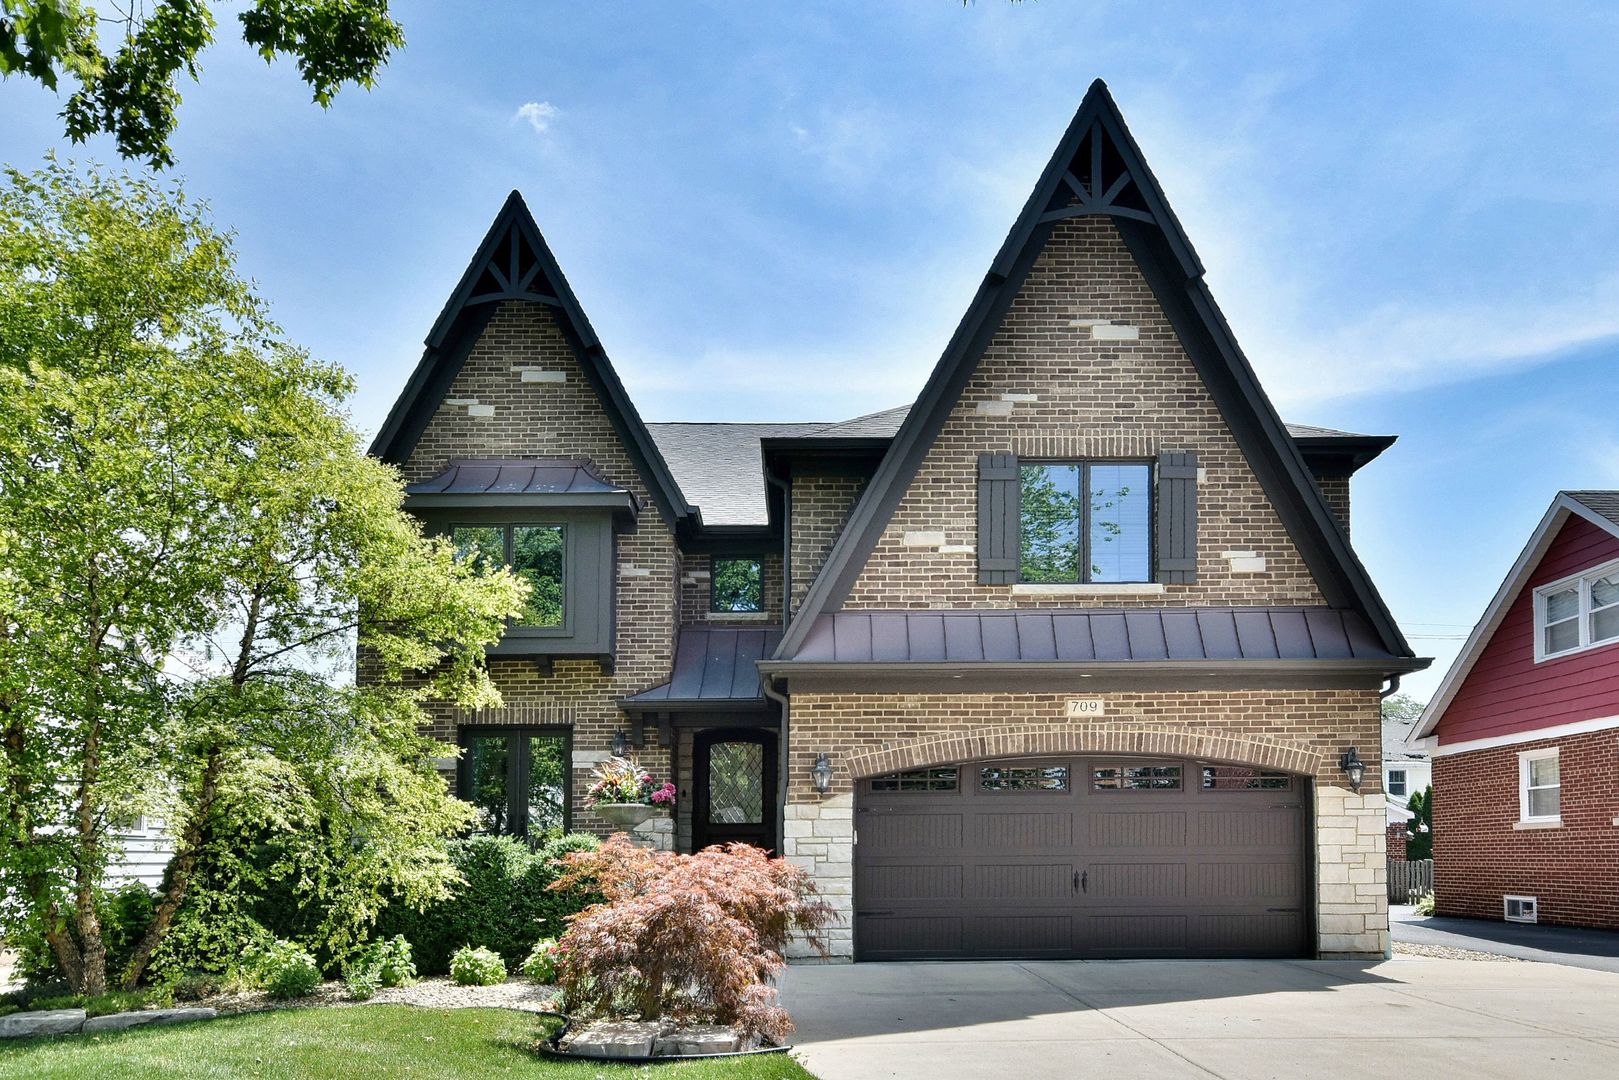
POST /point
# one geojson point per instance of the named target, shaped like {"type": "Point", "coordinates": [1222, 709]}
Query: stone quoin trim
{"type": "Point", "coordinates": [1085, 739]}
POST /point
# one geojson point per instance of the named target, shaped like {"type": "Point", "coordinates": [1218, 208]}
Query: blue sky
{"type": "Point", "coordinates": [779, 211]}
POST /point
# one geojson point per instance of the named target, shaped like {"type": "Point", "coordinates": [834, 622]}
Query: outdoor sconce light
{"type": "Point", "coordinates": [822, 773]}
{"type": "Point", "coordinates": [621, 745]}
{"type": "Point", "coordinates": [1354, 768]}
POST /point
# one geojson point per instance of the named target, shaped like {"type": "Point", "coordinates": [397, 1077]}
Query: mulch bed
{"type": "Point", "coordinates": [433, 993]}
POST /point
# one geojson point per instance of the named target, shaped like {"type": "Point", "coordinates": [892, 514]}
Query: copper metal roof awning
{"type": "Point", "coordinates": [715, 669]}
{"type": "Point", "coordinates": [1053, 649]}
{"type": "Point", "coordinates": [512, 482]}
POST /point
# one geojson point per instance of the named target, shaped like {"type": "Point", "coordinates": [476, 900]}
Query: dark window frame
{"type": "Point", "coordinates": [517, 777]}
{"type": "Point", "coordinates": [1122, 788]}
{"type": "Point", "coordinates": [982, 787]}
{"type": "Point", "coordinates": [1084, 465]}
{"type": "Point", "coordinates": [924, 776]}
{"type": "Point", "coordinates": [713, 580]}
{"type": "Point", "coordinates": [509, 529]}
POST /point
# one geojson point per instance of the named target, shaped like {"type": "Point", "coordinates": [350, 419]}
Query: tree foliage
{"type": "Point", "coordinates": [1419, 830]}
{"type": "Point", "coordinates": [697, 938]}
{"type": "Point", "coordinates": [195, 542]}
{"type": "Point", "coordinates": [129, 89]}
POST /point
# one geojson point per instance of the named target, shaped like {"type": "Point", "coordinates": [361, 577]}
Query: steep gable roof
{"type": "Point", "coordinates": [1097, 169]}
{"type": "Point", "coordinates": [1600, 508]}
{"type": "Point", "coordinates": [514, 263]}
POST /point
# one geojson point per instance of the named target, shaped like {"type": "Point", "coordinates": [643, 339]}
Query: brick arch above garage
{"type": "Point", "coordinates": [1086, 739]}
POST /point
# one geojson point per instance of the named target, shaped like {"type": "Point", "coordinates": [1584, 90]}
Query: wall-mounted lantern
{"type": "Point", "coordinates": [621, 743]}
{"type": "Point", "coordinates": [1354, 768]}
{"type": "Point", "coordinates": [821, 773]}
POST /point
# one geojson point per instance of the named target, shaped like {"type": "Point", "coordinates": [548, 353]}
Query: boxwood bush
{"type": "Point", "coordinates": [477, 967]}
{"type": "Point", "coordinates": [505, 904]}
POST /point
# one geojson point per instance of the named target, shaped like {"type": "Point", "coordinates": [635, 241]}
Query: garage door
{"type": "Point", "coordinates": [1081, 857]}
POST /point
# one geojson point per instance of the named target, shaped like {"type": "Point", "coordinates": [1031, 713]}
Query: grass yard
{"type": "Point", "coordinates": [373, 1041]}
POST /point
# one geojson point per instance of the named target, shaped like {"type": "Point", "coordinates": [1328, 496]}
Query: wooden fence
{"type": "Point", "coordinates": [1409, 880]}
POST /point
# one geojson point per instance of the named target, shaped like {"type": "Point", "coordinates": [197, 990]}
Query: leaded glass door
{"type": "Point", "coordinates": [735, 777]}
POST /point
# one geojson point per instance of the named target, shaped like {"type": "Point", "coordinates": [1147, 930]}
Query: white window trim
{"type": "Point", "coordinates": [1524, 758]}
{"type": "Point", "coordinates": [1405, 781]}
{"type": "Point", "coordinates": [1582, 582]}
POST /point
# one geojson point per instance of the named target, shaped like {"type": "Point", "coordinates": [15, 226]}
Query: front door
{"type": "Point", "coordinates": [735, 777]}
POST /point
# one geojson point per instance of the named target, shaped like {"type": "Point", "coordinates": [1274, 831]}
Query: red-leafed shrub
{"type": "Point", "coordinates": [696, 938]}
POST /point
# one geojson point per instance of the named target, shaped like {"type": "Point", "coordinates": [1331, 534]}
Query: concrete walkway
{"type": "Point", "coordinates": [1595, 949]}
{"type": "Point", "coordinates": [1241, 1020]}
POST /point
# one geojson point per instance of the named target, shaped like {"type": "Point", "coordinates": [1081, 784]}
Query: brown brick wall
{"type": "Point", "coordinates": [1288, 728]}
{"type": "Point", "coordinates": [1096, 398]}
{"type": "Point", "coordinates": [561, 420]}
{"type": "Point", "coordinates": [1398, 836]}
{"type": "Point", "coordinates": [821, 506]}
{"type": "Point", "coordinates": [1336, 490]}
{"type": "Point", "coordinates": [1479, 857]}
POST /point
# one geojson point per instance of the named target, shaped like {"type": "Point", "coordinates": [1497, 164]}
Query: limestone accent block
{"type": "Point", "coordinates": [1351, 897]}
{"type": "Point", "coordinates": [26, 1025]}
{"type": "Point", "coordinates": [819, 837]}
{"type": "Point", "coordinates": [121, 1021]}
{"type": "Point", "coordinates": [699, 1039]}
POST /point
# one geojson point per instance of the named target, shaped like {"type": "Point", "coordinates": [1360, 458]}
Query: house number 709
{"type": "Point", "coordinates": [1085, 707]}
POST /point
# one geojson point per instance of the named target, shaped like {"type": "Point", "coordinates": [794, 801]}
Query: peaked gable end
{"type": "Point", "coordinates": [1576, 533]}
{"type": "Point", "coordinates": [1097, 171]}
{"type": "Point", "coordinates": [514, 264]}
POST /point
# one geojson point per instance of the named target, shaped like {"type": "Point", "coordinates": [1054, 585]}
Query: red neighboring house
{"type": "Point", "coordinates": [1524, 734]}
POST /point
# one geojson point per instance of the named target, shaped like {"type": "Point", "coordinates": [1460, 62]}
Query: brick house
{"type": "Point", "coordinates": [1524, 734]}
{"type": "Point", "coordinates": [1061, 660]}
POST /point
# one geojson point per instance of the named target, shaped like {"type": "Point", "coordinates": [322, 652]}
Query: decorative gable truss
{"type": "Point", "coordinates": [513, 263]}
{"type": "Point", "coordinates": [1097, 169]}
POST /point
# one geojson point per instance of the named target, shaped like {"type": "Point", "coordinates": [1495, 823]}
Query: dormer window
{"type": "Point", "coordinates": [1577, 613]}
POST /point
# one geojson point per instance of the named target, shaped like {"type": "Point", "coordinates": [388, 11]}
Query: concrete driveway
{"type": "Point", "coordinates": [1289, 1020]}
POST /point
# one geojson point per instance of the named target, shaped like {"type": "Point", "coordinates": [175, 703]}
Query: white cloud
{"type": "Point", "coordinates": [538, 115]}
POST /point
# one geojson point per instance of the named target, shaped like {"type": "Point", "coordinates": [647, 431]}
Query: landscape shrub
{"type": "Point", "coordinates": [541, 965]}
{"type": "Point", "coordinates": [505, 901]}
{"type": "Point", "coordinates": [1424, 905]}
{"type": "Point", "coordinates": [362, 983]}
{"type": "Point", "coordinates": [477, 967]}
{"type": "Point", "coordinates": [693, 938]}
{"type": "Point", "coordinates": [381, 964]}
{"type": "Point", "coordinates": [285, 969]}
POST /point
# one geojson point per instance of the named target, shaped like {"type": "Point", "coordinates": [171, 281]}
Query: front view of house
{"type": "Point", "coordinates": [1069, 658]}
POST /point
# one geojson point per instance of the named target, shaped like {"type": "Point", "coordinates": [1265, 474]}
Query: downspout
{"type": "Point", "coordinates": [782, 759]}
{"type": "Point", "coordinates": [786, 549]}
{"type": "Point", "coordinates": [1392, 688]}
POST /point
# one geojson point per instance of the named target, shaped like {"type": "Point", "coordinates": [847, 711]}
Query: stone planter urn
{"type": "Point", "coordinates": [625, 815]}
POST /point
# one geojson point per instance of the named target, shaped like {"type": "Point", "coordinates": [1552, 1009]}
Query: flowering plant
{"type": "Point", "coordinates": [619, 780]}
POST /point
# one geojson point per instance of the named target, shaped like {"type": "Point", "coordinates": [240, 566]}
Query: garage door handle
{"type": "Point", "coordinates": [1082, 881]}
{"type": "Point", "coordinates": [1283, 910]}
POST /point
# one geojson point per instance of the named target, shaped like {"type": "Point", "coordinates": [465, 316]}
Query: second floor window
{"type": "Point", "coordinates": [1577, 614]}
{"type": "Point", "coordinates": [738, 585]}
{"type": "Point", "coordinates": [535, 554]}
{"type": "Point", "coordinates": [1085, 522]}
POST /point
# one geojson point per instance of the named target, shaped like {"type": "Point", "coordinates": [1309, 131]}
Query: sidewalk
{"type": "Point", "coordinates": [1572, 946]}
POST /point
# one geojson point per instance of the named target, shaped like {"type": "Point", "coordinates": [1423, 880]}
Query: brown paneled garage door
{"type": "Point", "coordinates": [1081, 857]}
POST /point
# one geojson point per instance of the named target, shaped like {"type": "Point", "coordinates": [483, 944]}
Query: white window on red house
{"type": "Point", "coordinates": [1577, 613]}
{"type": "Point", "coordinates": [1539, 786]}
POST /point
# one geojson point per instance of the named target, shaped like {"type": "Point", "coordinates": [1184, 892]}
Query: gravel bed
{"type": "Point", "coordinates": [1445, 952]}
{"type": "Point", "coordinates": [434, 993]}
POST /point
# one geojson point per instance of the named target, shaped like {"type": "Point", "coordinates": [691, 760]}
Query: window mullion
{"type": "Point", "coordinates": [1082, 507]}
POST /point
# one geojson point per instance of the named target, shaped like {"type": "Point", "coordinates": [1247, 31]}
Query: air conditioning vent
{"type": "Point", "coordinates": [1520, 909]}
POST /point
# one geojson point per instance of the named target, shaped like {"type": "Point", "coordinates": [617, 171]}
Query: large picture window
{"type": "Point", "coordinates": [535, 554]}
{"type": "Point", "coordinates": [517, 778]}
{"type": "Point", "coordinates": [1085, 522]}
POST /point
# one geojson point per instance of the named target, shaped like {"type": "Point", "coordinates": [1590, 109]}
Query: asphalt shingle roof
{"type": "Point", "coordinates": [720, 470]}
{"type": "Point", "coordinates": [1605, 503]}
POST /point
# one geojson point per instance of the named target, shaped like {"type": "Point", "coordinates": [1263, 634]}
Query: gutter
{"type": "Point", "coordinates": [783, 758]}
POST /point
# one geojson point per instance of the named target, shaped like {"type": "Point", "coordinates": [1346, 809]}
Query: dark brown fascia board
{"type": "Point", "coordinates": [1156, 247]}
{"type": "Point", "coordinates": [1058, 677]}
{"type": "Point", "coordinates": [1341, 455]}
{"type": "Point", "coordinates": [456, 330]}
{"type": "Point", "coordinates": [759, 540]}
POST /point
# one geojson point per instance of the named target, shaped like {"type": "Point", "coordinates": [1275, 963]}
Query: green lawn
{"type": "Point", "coordinates": [354, 1044]}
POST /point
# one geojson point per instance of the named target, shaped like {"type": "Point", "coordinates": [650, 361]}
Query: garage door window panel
{"type": "Point", "coordinates": [1242, 778]}
{"type": "Point", "coordinates": [1136, 778]}
{"type": "Point", "coordinates": [934, 780]}
{"type": "Point", "coordinates": [1031, 778]}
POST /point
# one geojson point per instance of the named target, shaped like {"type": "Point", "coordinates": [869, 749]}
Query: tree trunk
{"type": "Point", "coordinates": [182, 868]}
{"type": "Point", "coordinates": [92, 949]}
